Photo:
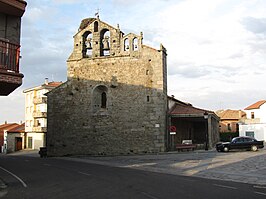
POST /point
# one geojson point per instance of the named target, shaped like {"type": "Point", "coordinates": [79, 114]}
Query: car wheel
{"type": "Point", "coordinates": [254, 148]}
{"type": "Point", "coordinates": [226, 149]}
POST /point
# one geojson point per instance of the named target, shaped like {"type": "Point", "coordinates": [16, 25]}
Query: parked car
{"type": "Point", "coordinates": [248, 143]}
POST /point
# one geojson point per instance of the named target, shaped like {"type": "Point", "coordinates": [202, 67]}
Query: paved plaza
{"type": "Point", "coordinates": [241, 166]}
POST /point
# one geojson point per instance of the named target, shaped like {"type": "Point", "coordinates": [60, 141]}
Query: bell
{"type": "Point", "coordinates": [106, 44]}
{"type": "Point", "coordinates": [88, 43]}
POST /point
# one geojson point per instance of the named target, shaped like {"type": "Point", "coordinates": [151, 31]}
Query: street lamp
{"type": "Point", "coordinates": [205, 115]}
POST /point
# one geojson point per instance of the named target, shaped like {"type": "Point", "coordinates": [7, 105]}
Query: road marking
{"type": "Point", "coordinates": [224, 186]}
{"type": "Point", "coordinates": [87, 174]}
{"type": "Point", "coordinates": [260, 193]}
{"type": "Point", "coordinates": [19, 179]}
{"type": "Point", "coordinates": [148, 195]}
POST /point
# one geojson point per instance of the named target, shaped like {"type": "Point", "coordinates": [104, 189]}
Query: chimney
{"type": "Point", "coordinates": [46, 81]}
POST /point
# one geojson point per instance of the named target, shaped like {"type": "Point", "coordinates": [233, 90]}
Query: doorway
{"type": "Point", "coordinates": [18, 141]}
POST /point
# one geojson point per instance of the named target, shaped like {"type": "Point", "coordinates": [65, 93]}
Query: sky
{"type": "Point", "coordinates": [216, 48]}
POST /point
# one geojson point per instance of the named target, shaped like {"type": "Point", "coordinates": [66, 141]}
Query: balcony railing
{"type": "Point", "coordinates": [39, 114]}
{"type": "Point", "coordinates": [40, 100]}
{"type": "Point", "coordinates": [39, 129]}
{"type": "Point", "coordinates": [9, 56]}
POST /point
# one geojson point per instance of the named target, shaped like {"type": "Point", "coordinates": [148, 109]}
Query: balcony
{"type": "Point", "coordinates": [39, 129]}
{"type": "Point", "coordinates": [39, 114]}
{"type": "Point", "coordinates": [40, 100]}
{"type": "Point", "coordinates": [10, 78]}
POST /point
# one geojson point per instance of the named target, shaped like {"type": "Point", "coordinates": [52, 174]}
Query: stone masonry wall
{"type": "Point", "coordinates": [134, 119]}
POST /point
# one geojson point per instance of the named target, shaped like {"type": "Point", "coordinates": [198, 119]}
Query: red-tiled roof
{"type": "Point", "coordinates": [256, 105]}
{"type": "Point", "coordinates": [7, 126]}
{"type": "Point", "coordinates": [187, 109]}
{"type": "Point", "coordinates": [231, 114]}
{"type": "Point", "coordinates": [19, 128]}
{"type": "Point", "coordinates": [53, 84]}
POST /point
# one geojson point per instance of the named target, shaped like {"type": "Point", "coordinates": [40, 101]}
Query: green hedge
{"type": "Point", "coordinates": [228, 136]}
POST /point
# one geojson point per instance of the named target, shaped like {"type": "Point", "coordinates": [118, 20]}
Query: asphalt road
{"type": "Point", "coordinates": [33, 177]}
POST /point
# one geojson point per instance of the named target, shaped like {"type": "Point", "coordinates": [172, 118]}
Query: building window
{"type": "Point", "coordinates": [95, 26]}
{"type": "Point", "coordinates": [229, 127]}
{"type": "Point", "coordinates": [250, 133]}
{"type": "Point", "coordinates": [104, 99]}
{"type": "Point", "coordinates": [100, 98]}
{"type": "Point", "coordinates": [252, 115]}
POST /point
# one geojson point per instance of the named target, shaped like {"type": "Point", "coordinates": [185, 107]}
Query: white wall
{"type": "Point", "coordinates": [37, 140]}
{"type": "Point", "coordinates": [258, 113]}
{"type": "Point", "coordinates": [258, 129]}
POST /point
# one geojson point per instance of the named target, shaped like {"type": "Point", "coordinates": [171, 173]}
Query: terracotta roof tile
{"type": "Point", "coordinates": [19, 128]}
{"type": "Point", "coordinates": [7, 126]}
{"type": "Point", "coordinates": [231, 114]}
{"type": "Point", "coordinates": [256, 105]}
{"type": "Point", "coordinates": [187, 109]}
{"type": "Point", "coordinates": [53, 84]}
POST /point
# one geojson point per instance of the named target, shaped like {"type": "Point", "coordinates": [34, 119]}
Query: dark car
{"type": "Point", "coordinates": [248, 143]}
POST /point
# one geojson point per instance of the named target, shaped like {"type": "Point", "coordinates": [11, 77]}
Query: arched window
{"type": "Point", "coordinates": [100, 98]}
{"type": "Point", "coordinates": [135, 46]}
{"type": "Point", "coordinates": [126, 44]}
{"type": "Point", "coordinates": [95, 26]}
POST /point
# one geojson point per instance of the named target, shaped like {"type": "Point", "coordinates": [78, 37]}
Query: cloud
{"type": "Point", "coordinates": [255, 25]}
{"type": "Point", "coordinates": [216, 49]}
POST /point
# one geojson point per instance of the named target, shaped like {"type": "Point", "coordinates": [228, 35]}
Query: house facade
{"type": "Point", "coordinates": [11, 137]}
{"type": "Point", "coordinates": [11, 12]}
{"type": "Point", "coordinates": [36, 114]}
{"type": "Point", "coordinates": [115, 98]}
{"type": "Point", "coordinates": [255, 124]}
{"type": "Point", "coordinates": [229, 120]}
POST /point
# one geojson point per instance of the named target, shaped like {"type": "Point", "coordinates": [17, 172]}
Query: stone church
{"type": "Point", "coordinates": [115, 98]}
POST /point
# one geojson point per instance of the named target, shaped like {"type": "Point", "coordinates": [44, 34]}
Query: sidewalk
{"type": "Point", "coordinates": [243, 166]}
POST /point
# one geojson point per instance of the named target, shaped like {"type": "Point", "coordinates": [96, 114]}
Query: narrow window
{"type": "Point", "coordinates": [96, 26]}
{"type": "Point", "coordinates": [147, 72]}
{"type": "Point", "coordinates": [252, 115]}
{"type": "Point", "coordinates": [228, 127]}
{"type": "Point", "coordinates": [148, 98]}
{"type": "Point", "coordinates": [104, 99]}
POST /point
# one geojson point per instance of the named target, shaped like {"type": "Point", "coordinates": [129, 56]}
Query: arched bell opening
{"type": "Point", "coordinates": [105, 42]}
{"type": "Point", "coordinates": [87, 44]}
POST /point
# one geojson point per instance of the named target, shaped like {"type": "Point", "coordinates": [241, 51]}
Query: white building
{"type": "Point", "coordinates": [255, 124]}
{"type": "Point", "coordinates": [36, 114]}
